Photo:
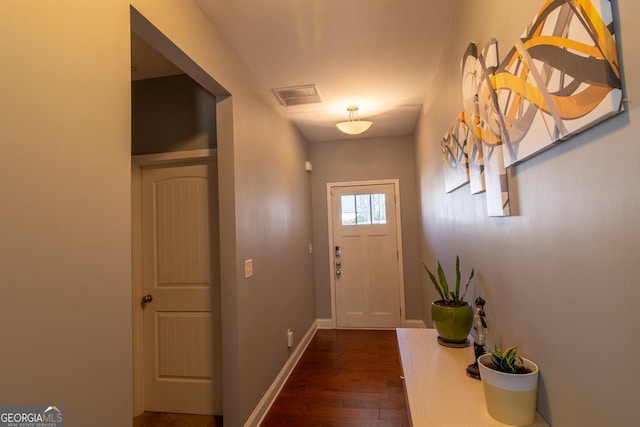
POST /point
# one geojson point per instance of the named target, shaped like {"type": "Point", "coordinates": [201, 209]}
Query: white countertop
{"type": "Point", "coordinates": [439, 393]}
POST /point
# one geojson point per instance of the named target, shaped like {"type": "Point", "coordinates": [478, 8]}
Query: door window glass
{"type": "Point", "coordinates": [364, 209]}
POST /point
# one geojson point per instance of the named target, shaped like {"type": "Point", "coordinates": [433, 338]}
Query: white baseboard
{"type": "Point", "coordinates": [418, 324]}
{"type": "Point", "coordinates": [270, 396]}
{"type": "Point", "coordinates": [325, 324]}
{"type": "Point", "coordinates": [409, 323]}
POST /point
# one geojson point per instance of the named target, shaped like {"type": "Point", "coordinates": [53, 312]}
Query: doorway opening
{"type": "Point", "coordinates": [189, 142]}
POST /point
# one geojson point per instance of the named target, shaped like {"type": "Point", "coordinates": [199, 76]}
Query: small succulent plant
{"type": "Point", "coordinates": [508, 361]}
{"type": "Point", "coordinates": [450, 297]}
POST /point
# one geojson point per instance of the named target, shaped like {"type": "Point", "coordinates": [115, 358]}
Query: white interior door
{"type": "Point", "coordinates": [366, 259]}
{"type": "Point", "coordinates": [182, 367]}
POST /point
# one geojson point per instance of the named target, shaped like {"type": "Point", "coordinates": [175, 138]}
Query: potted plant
{"type": "Point", "coordinates": [452, 316]}
{"type": "Point", "coordinates": [510, 384]}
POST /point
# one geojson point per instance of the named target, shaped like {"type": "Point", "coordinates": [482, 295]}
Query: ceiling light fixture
{"type": "Point", "coordinates": [353, 125]}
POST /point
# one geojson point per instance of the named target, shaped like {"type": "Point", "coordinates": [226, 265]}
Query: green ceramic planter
{"type": "Point", "coordinates": [453, 323]}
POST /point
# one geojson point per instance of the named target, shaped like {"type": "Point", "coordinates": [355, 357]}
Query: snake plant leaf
{"type": "Point", "coordinates": [467, 285]}
{"type": "Point", "coordinates": [451, 296]}
{"type": "Point", "coordinates": [506, 361]}
{"type": "Point", "coordinates": [443, 282]}
{"type": "Point", "coordinates": [510, 358]}
{"type": "Point", "coordinates": [434, 281]}
{"type": "Point", "coordinates": [457, 276]}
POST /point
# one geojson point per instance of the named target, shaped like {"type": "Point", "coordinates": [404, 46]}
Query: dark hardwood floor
{"type": "Point", "coordinates": [163, 419]}
{"type": "Point", "coordinates": [345, 378]}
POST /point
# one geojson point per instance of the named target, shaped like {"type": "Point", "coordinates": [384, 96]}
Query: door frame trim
{"type": "Point", "coordinates": [332, 275]}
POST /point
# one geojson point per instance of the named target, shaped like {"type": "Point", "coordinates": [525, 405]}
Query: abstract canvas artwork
{"type": "Point", "coordinates": [560, 78]}
{"type": "Point", "coordinates": [484, 145]}
{"type": "Point", "coordinates": [469, 70]}
{"type": "Point", "coordinates": [490, 133]}
{"type": "Point", "coordinates": [454, 157]}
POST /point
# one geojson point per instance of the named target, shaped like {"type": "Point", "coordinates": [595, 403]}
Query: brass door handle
{"type": "Point", "coordinates": [147, 299]}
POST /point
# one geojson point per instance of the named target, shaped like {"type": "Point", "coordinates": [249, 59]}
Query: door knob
{"type": "Point", "coordinates": [147, 299]}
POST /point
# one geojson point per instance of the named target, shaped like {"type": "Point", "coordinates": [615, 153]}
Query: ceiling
{"type": "Point", "coordinates": [377, 54]}
{"type": "Point", "coordinates": [148, 63]}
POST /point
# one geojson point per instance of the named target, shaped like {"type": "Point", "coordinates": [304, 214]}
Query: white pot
{"type": "Point", "coordinates": [510, 398]}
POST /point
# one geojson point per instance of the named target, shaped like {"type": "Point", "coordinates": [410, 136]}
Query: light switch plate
{"type": "Point", "coordinates": [248, 268]}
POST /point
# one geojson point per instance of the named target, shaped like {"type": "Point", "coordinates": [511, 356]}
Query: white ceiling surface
{"type": "Point", "coordinates": [377, 54]}
{"type": "Point", "coordinates": [147, 63]}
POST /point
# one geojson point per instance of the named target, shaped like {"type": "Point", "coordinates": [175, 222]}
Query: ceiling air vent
{"type": "Point", "coordinates": [297, 95]}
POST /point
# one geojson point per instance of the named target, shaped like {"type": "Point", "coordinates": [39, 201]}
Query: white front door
{"type": "Point", "coordinates": [182, 367]}
{"type": "Point", "coordinates": [365, 256]}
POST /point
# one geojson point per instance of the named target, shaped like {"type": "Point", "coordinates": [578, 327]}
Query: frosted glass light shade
{"type": "Point", "coordinates": [354, 127]}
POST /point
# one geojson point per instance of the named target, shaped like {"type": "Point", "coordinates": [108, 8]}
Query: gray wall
{"type": "Point", "coordinates": [65, 227]}
{"type": "Point", "coordinates": [359, 160]}
{"type": "Point", "coordinates": [272, 227]}
{"type": "Point", "coordinates": [560, 276]}
{"type": "Point", "coordinates": [171, 114]}
{"type": "Point", "coordinates": [65, 258]}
